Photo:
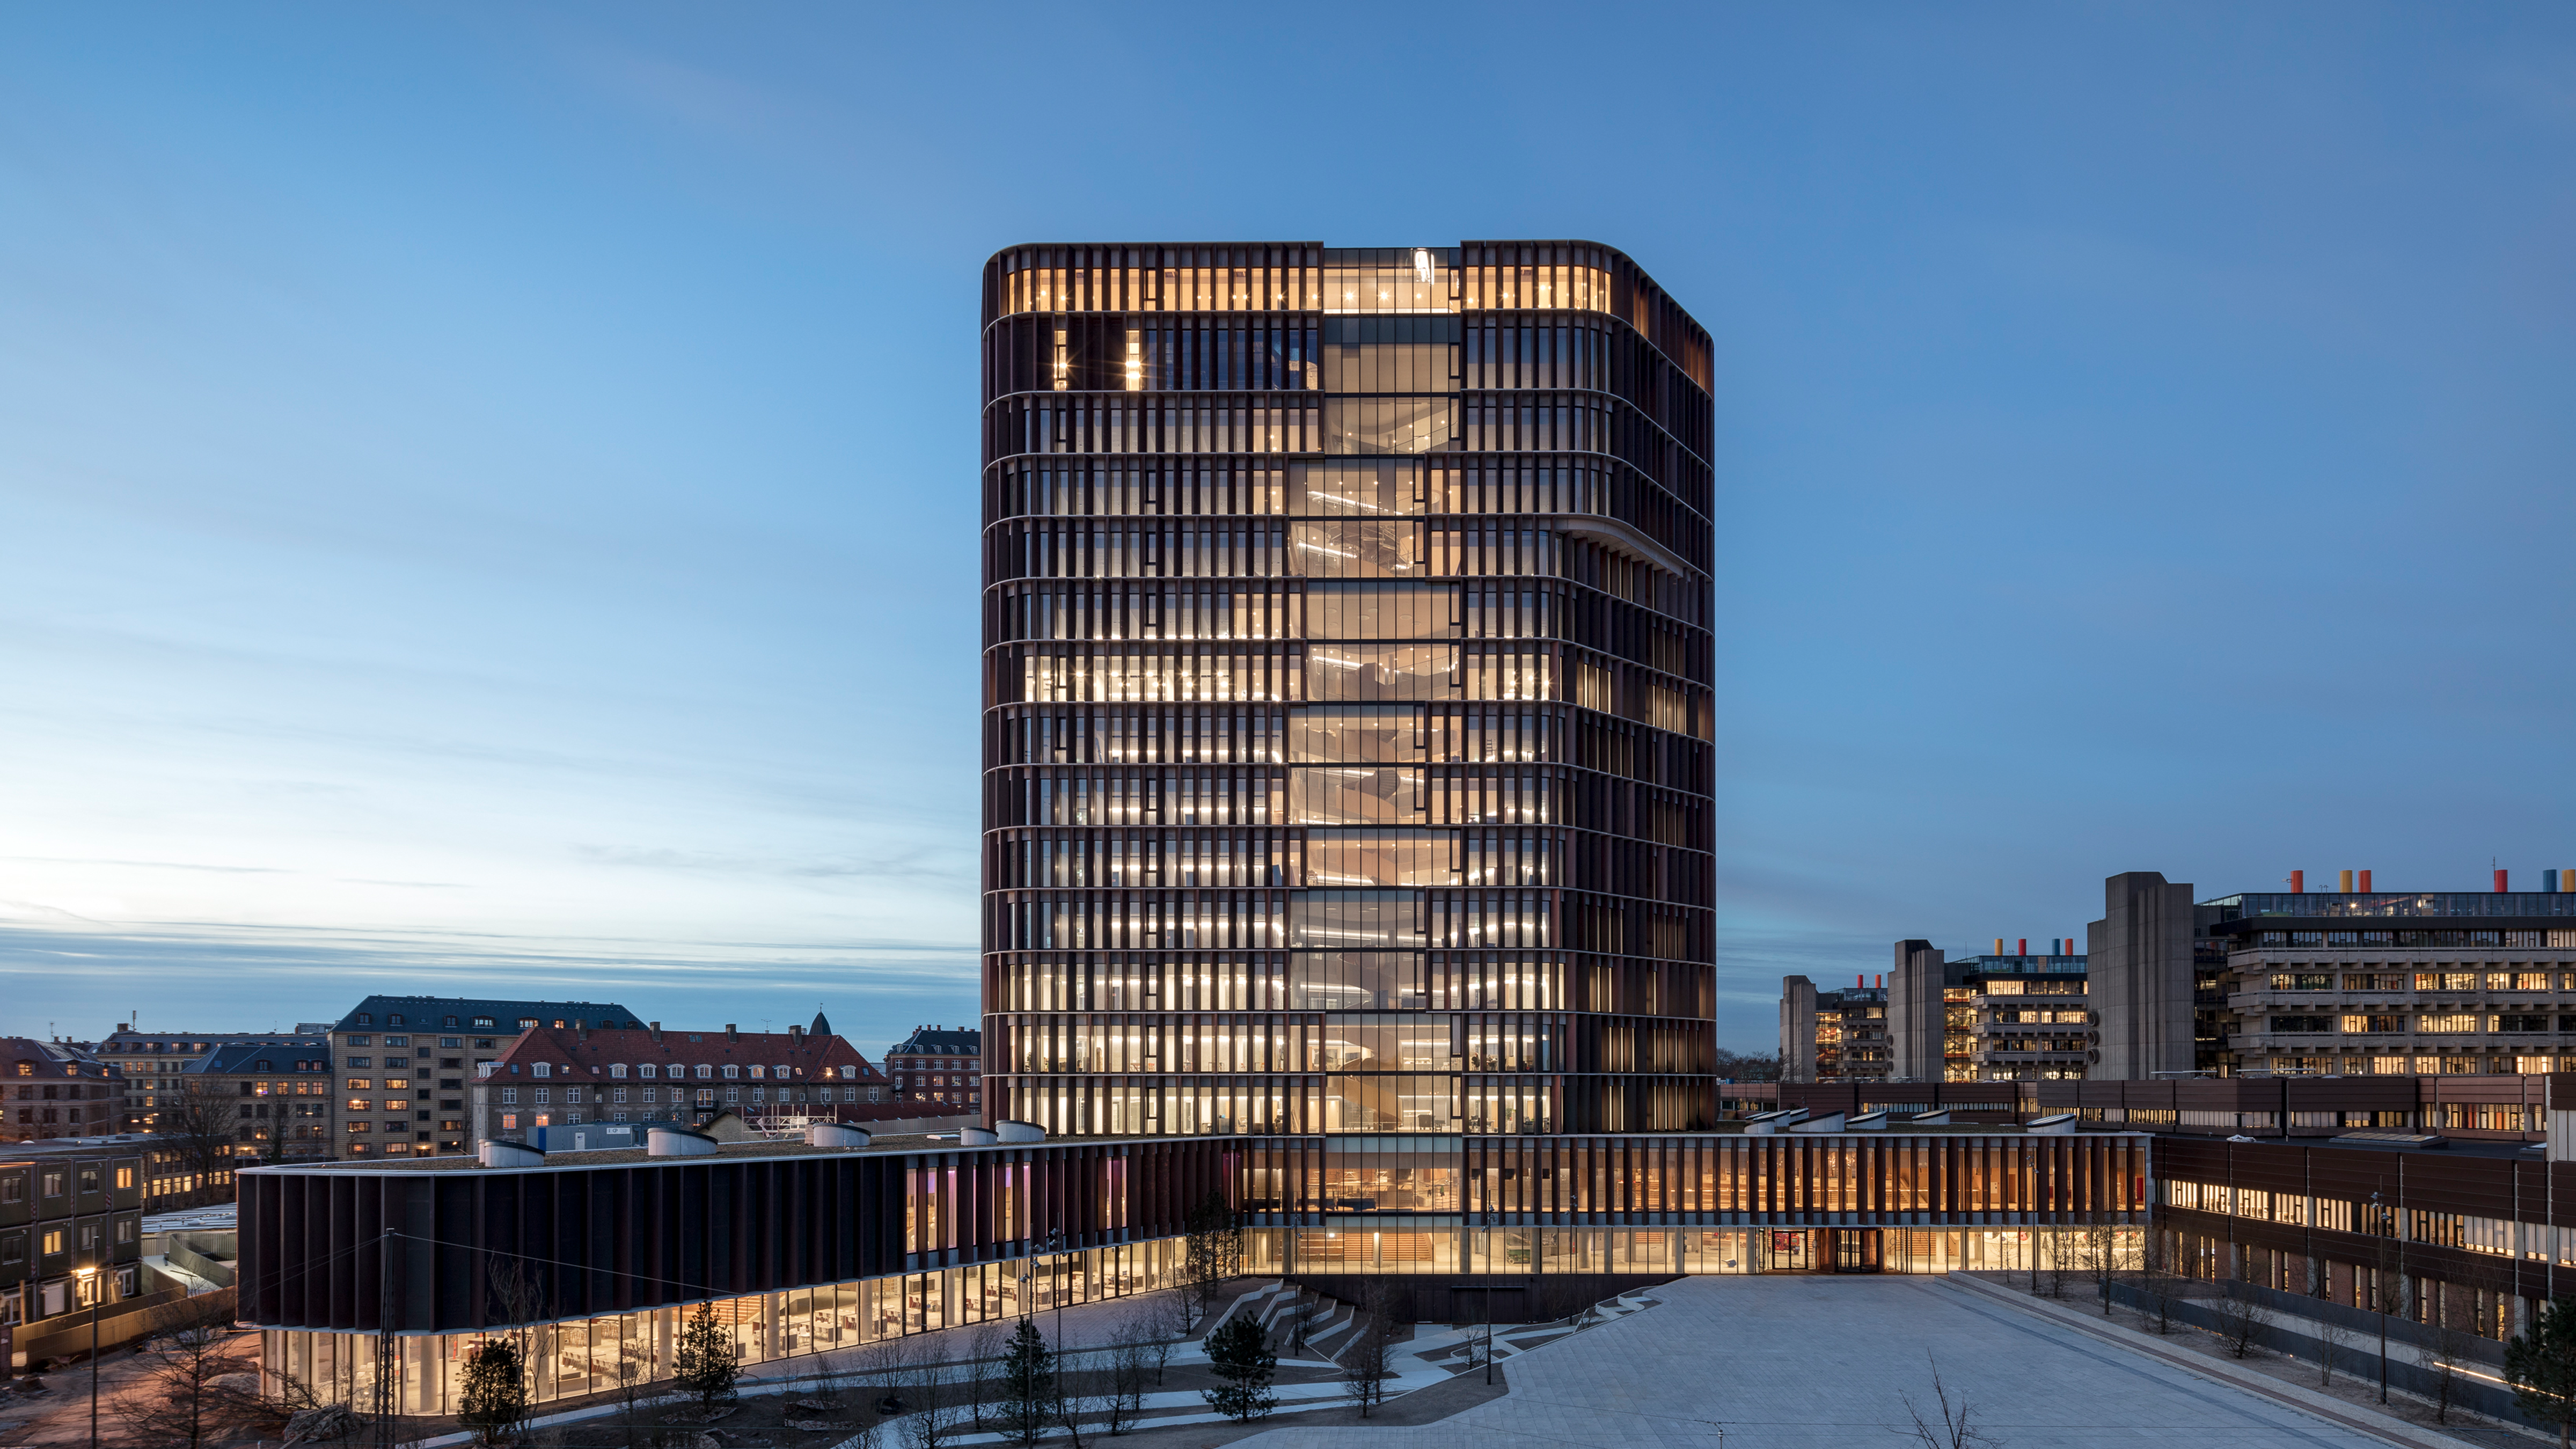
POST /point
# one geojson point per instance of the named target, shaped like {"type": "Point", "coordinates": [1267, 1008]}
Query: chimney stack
{"type": "Point", "coordinates": [731, 1034]}
{"type": "Point", "coordinates": [2298, 882]}
{"type": "Point", "coordinates": [793, 1032]}
{"type": "Point", "coordinates": [654, 1027]}
{"type": "Point", "coordinates": [2023, 946]}
{"type": "Point", "coordinates": [2500, 882]}
{"type": "Point", "coordinates": [2365, 882]}
{"type": "Point", "coordinates": [2345, 884]}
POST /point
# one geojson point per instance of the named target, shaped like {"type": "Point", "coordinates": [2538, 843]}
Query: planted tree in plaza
{"type": "Point", "coordinates": [2541, 1365]}
{"type": "Point", "coordinates": [1953, 1421]}
{"type": "Point", "coordinates": [706, 1361]}
{"type": "Point", "coordinates": [1028, 1384]}
{"type": "Point", "coordinates": [1369, 1361]}
{"type": "Point", "coordinates": [186, 1397]}
{"type": "Point", "coordinates": [1213, 1250]}
{"type": "Point", "coordinates": [495, 1395]}
{"type": "Point", "coordinates": [1239, 1354]}
{"type": "Point", "coordinates": [1132, 1356]}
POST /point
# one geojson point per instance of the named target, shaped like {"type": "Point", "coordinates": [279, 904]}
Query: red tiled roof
{"type": "Point", "coordinates": [586, 1054]}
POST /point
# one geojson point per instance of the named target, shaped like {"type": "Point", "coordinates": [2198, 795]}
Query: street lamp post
{"type": "Point", "coordinates": [2380, 1226]}
{"type": "Point", "coordinates": [89, 1284]}
{"type": "Point", "coordinates": [1055, 1261]}
{"type": "Point", "coordinates": [1488, 1217]}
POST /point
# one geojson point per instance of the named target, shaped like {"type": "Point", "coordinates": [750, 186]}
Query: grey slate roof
{"type": "Point", "coordinates": [430, 1013]}
{"type": "Point", "coordinates": [281, 1053]}
{"type": "Point", "coordinates": [940, 1041]}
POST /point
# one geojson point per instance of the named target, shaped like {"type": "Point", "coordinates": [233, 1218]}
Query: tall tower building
{"type": "Point", "coordinates": [1347, 701]}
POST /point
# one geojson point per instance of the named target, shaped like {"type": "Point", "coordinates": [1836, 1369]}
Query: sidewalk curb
{"type": "Point", "coordinates": [2383, 1427]}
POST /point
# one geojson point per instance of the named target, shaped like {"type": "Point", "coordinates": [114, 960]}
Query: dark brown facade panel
{"type": "Point", "coordinates": [600, 1240]}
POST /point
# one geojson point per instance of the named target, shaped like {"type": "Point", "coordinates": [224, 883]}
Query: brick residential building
{"type": "Point", "coordinates": [150, 1059]}
{"type": "Point", "coordinates": [552, 1078]}
{"type": "Point", "coordinates": [403, 1064]}
{"type": "Point", "coordinates": [56, 1089]}
{"type": "Point", "coordinates": [941, 1065]}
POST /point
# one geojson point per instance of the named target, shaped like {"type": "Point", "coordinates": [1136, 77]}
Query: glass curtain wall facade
{"type": "Point", "coordinates": [1347, 693]}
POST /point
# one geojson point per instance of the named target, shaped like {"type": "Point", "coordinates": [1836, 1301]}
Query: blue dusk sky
{"type": "Point", "coordinates": [488, 492]}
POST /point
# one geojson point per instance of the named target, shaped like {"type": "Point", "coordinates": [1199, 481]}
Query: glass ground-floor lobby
{"type": "Point", "coordinates": [574, 1358]}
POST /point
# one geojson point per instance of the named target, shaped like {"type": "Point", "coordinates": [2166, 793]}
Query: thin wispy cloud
{"type": "Point", "coordinates": [492, 496]}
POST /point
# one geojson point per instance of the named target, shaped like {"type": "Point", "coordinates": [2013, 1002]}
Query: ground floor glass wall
{"type": "Point", "coordinates": [1358, 1246]}
{"type": "Point", "coordinates": [587, 1356]}
{"type": "Point", "coordinates": [583, 1356]}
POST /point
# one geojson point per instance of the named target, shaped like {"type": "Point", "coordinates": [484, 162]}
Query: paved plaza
{"type": "Point", "coordinates": [1782, 1362]}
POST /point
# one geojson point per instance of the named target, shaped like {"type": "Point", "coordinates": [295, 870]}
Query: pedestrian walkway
{"type": "Point", "coordinates": [1793, 1362]}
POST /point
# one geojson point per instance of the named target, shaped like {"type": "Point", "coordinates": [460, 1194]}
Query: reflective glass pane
{"type": "Point", "coordinates": [1355, 734]}
{"type": "Point", "coordinates": [1390, 354]}
{"type": "Point", "coordinates": [1356, 549]}
{"type": "Point", "coordinates": [1398, 609]}
{"type": "Point", "coordinates": [1380, 671]}
{"type": "Point", "coordinates": [1363, 489]}
{"type": "Point", "coordinates": [1357, 920]}
{"type": "Point", "coordinates": [1388, 424]}
{"type": "Point", "coordinates": [1351, 795]}
{"type": "Point", "coordinates": [1381, 858]}
{"type": "Point", "coordinates": [1389, 1102]}
{"type": "Point", "coordinates": [1421, 287]}
{"type": "Point", "coordinates": [1355, 980]}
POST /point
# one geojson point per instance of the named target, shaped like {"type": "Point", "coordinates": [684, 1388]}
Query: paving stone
{"type": "Point", "coordinates": [1783, 1362]}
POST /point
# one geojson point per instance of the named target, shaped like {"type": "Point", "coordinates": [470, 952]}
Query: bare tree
{"type": "Point", "coordinates": [2453, 1355]}
{"type": "Point", "coordinates": [1953, 1424]}
{"type": "Point", "coordinates": [1173, 1315]}
{"type": "Point", "coordinates": [883, 1368]}
{"type": "Point", "coordinates": [2156, 1285]}
{"type": "Point", "coordinates": [2097, 1246]}
{"type": "Point", "coordinates": [2337, 1348]}
{"type": "Point", "coordinates": [831, 1380]}
{"type": "Point", "coordinates": [1082, 1392]}
{"type": "Point", "coordinates": [518, 1300]}
{"type": "Point", "coordinates": [199, 1123]}
{"type": "Point", "coordinates": [634, 1388]}
{"type": "Point", "coordinates": [184, 1403]}
{"type": "Point", "coordinates": [1748, 1066]}
{"type": "Point", "coordinates": [934, 1406]}
{"type": "Point", "coordinates": [2243, 1324]}
{"type": "Point", "coordinates": [1131, 1353]}
{"type": "Point", "coordinates": [1367, 1360]}
{"type": "Point", "coordinates": [2065, 1260]}
{"type": "Point", "coordinates": [983, 1361]}
{"type": "Point", "coordinates": [1212, 1252]}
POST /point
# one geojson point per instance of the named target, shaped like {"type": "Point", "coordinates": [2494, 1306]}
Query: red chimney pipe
{"type": "Point", "coordinates": [2499, 882]}
{"type": "Point", "coordinates": [1859, 980]}
{"type": "Point", "coordinates": [2365, 882]}
{"type": "Point", "coordinates": [2023, 945]}
{"type": "Point", "coordinates": [2298, 882]}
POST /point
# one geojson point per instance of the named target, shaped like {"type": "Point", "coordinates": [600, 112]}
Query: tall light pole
{"type": "Point", "coordinates": [1055, 1260]}
{"type": "Point", "coordinates": [2381, 1226]}
{"type": "Point", "coordinates": [89, 1281]}
{"type": "Point", "coordinates": [1487, 1193]}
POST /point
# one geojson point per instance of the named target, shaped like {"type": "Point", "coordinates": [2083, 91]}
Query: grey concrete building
{"type": "Point", "coordinates": [1916, 1017]}
{"type": "Point", "coordinates": [1833, 1036]}
{"type": "Point", "coordinates": [2385, 983]}
{"type": "Point", "coordinates": [2141, 975]}
{"type": "Point", "coordinates": [1797, 1029]}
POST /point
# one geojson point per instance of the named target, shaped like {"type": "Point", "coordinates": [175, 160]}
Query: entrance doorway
{"type": "Point", "coordinates": [1856, 1250]}
{"type": "Point", "coordinates": [1787, 1252]}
